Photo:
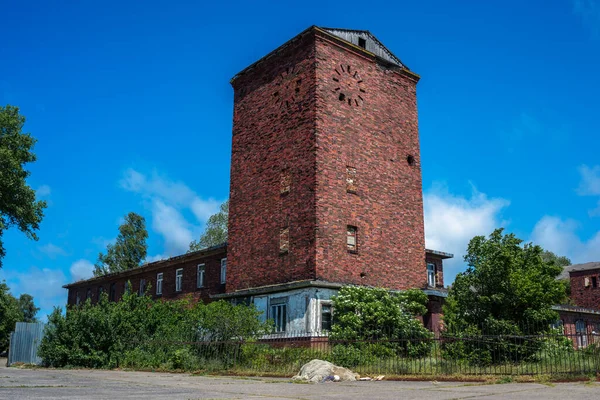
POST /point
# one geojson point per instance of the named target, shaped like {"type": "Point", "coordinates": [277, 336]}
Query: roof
{"type": "Point", "coordinates": [372, 47]}
{"type": "Point", "coordinates": [149, 266]}
{"type": "Point", "coordinates": [371, 43]}
{"type": "Point", "coordinates": [440, 254]}
{"type": "Point", "coordinates": [578, 267]}
{"type": "Point", "coordinates": [575, 309]}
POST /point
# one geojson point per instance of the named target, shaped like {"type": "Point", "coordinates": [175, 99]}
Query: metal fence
{"type": "Point", "coordinates": [557, 353]}
{"type": "Point", "coordinates": [24, 343]}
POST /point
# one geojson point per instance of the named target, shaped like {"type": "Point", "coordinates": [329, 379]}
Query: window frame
{"type": "Point", "coordinates": [431, 278]}
{"type": "Point", "coordinates": [159, 283]}
{"type": "Point", "coordinates": [223, 274]}
{"type": "Point", "coordinates": [179, 279]}
{"type": "Point", "coordinates": [278, 313]}
{"type": "Point", "coordinates": [352, 234]}
{"type": "Point", "coordinates": [142, 288]}
{"type": "Point", "coordinates": [200, 282]}
{"type": "Point", "coordinates": [321, 306]}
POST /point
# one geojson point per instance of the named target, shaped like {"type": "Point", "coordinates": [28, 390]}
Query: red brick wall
{"type": "Point", "coordinates": [271, 140]}
{"type": "Point", "coordinates": [588, 297]}
{"type": "Point", "coordinates": [212, 279]}
{"type": "Point", "coordinates": [314, 140]}
{"type": "Point", "coordinates": [376, 137]}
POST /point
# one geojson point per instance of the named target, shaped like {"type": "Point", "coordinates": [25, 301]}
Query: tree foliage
{"type": "Point", "coordinates": [215, 232]}
{"type": "Point", "coordinates": [363, 315]}
{"type": "Point", "coordinates": [551, 258]}
{"type": "Point", "coordinates": [13, 311]}
{"type": "Point", "coordinates": [130, 249]}
{"type": "Point", "coordinates": [507, 289]}
{"type": "Point", "coordinates": [144, 333]}
{"type": "Point", "coordinates": [18, 205]}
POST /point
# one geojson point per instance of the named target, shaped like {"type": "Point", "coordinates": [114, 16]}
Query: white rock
{"type": "Point", "coordinates": [317, 370]}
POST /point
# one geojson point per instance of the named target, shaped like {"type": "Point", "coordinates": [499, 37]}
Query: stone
{"type": "Point", "coordinates": [316, 371]}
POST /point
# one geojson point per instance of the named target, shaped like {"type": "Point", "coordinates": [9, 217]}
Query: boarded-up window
{"type": "Point", "coordinates": [351, 179]}
{"type": "Point", "coordinates": [286, 182]}
{"type": "Point", "coordinates": [284, 240]}
{"type": "Point", "coordinates": [351, 238]}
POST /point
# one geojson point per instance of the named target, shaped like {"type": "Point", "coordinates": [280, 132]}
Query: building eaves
{"type": "Point", "coordinates": [575, 309]}
{"type": "Point", "coordinates": [152, 265]}
{"type": "Point", "coordinates": [440, 254]}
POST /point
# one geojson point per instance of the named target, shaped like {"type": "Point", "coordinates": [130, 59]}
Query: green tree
{"type": "Point", "coordinates": [18, 206]}
{"type": "Point", "coordinates": [372, 323]}
{"type": "Point", "coordinates": [28, 308]}
{"type": "Point", "coordinates": [130, 249]}
{"type": "Point", "coordinates": [507, 289]}
{"type": "Point", "coordinates": [216, 230]}
{"type": "Point", "coordinates": [10, 313]}
{"type": "Point", "coordinates": [551, 258]}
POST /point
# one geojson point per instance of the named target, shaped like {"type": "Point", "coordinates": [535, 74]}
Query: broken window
{"type": "Point", "coordinates": [594, 282]}
{"type": "Point", "coordinates": [285, 182]}
{"type": "Point", "coordinates": [279, 314]}
{"type": "Point", "coordinates": [200, 276]}
{"type": "Point", "coordinates": [88, 294]}
{"type": "Point", "coordinates": [159, 283]}
{"type": "Point", "coordinates": [113, 292]}
{"type": "Point", "coordinates": [284, 240]}
{"type": "Point", "coordinates": [351, 179]}
{"type": "Point", "coordinates": [100, 291]}
{"type": "Point", "coordinates": [362, 43]}
{"type": "Point", "coordinates": [77, 298]}
{"type": "Point", "coordinates": [178, 279]}
{"type": "Point", "coordinates": [351, 239]}
{"type": "Point", "coordinates": [431, 275]}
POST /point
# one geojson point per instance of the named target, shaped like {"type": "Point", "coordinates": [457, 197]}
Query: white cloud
{"type": "Point", "coordinates": [43, 191]}
{"type": "Point", "coordinates": [169, 222]}
{"type": "Point", "coordinates": [452, 221]}
{"type": "Point", "coordinates": [154, 258]}
{"type": "Point", "coordinates": [560, 237]}
{"type": "Point", "coordinates": [589, 12]}
{"type": "Point", "coordinates": [169, 201]}
{"type": "Point", "coordinates": [52, 251]}
{"type": "Point", "coordinates": [590, 181]}
{"type": "Point", "coordinates": [81, 269]}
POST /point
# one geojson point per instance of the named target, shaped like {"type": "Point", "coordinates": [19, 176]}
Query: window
{"type": "Point", "coordinates": [88, 294]}
{"type": "Point", "coordinates": [285, 183]}
{"type": "Point", "coordinates": [159, 282]}
{"type": "Point", "coordinates": [279, 314]}
{"type": "Point", "coordinates": [113, 292]}
{"type": "Point", "coordinates": [284, 240]}
{"type": "Point", "coordinates": [362, 43]}
{"type": "Point", "coordinates": [580, 329]}
{"type": "Point", "coordinates": [351, 242]}
{"type": "Point", "coordinates": [142, 290]}
{"type": "Point", "coordinates": [100, 291]}
{"type": "Point", "coordinates": [223, 270]}
{"type": "Point", "coordinates": [126, 288]}
{"type": "Point", "coordinates": [200, 276]}
{"type": "Point", "coordinates": [350, 179]}
{"type": "Point", "coordinates": [178, 279]}
{"type": "Point", "coordinates": [326, 317]}
{"type": "Point", "coordinates": [430, 275]}
{"type": "Point", "coordinates": [77, 298]}
{"type": "Point", "coordinates": [594, 282]}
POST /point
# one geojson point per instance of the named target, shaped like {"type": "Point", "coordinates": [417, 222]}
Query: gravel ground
{"type": "Point", "coordinates": [26, 384]}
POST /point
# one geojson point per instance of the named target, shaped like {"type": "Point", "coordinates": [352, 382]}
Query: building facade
{"type": "Point", "coordinates": [325, 191]}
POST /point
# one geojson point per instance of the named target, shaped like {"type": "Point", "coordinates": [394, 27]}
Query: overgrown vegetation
{"type": "Point", "coordinates": [13, 310]}
{"type": "Point", "coordinates": [507, 292]}
{"type": "Point", "coordinates": [139, 332]}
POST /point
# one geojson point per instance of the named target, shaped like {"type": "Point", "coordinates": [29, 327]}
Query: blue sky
{"type": "Point", "coordinates": [132, 107]}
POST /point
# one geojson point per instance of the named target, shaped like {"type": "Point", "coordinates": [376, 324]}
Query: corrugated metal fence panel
{"type": "Point", "coordinates": [24, 343]}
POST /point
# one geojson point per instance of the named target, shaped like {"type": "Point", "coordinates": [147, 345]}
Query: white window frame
{"type": "Point", "coordinates": [159, 283]}
{"type": "Point", "coordinates": [278, 313]}
{"type": "Point", "coordinates": [430, 274]}
{"type": "Point", "coordinates": [324, 303]}
{"type": "Point", "coordinates": [223, 270]}
{"type": "Point", "coordinates": [178, 279]}
{"type": "Point", "coordinates": [200, 275]}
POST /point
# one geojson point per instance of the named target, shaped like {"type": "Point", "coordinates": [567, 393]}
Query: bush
{"type": "Point", "coordinates": [139, 332]}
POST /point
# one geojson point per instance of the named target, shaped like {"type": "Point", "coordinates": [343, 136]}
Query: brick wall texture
{"type": "Point", "coordinates": [312, 110]}
{"type": "Point", "coordinates": [588, 297]}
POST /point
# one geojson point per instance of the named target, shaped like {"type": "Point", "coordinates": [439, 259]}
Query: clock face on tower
{"type": "Point", "coordinates": [288, 91]}
{"type": "Point", "coordinates": [348, 86]}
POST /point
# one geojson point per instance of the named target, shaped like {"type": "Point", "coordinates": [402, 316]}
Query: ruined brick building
{"type": "Point", "coordinates": [326, 188]}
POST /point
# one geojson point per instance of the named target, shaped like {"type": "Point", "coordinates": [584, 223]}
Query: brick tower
{"type": "Point", "coordinates": [325, 173]}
